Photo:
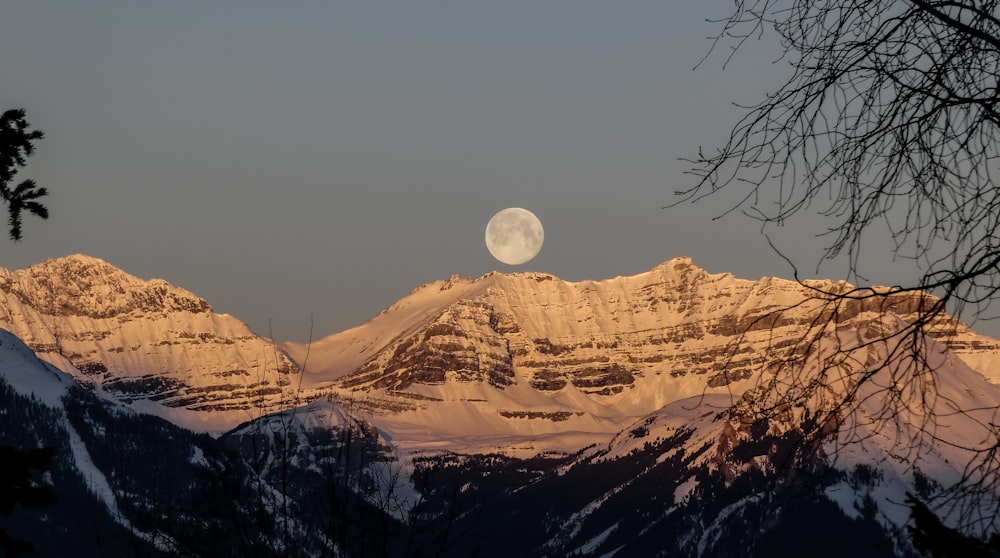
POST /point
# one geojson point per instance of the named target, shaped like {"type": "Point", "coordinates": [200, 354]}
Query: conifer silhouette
{"type": "Point", "coordinates": [17, 486]}
{"type": "Point", "coordinates": [16, 143]}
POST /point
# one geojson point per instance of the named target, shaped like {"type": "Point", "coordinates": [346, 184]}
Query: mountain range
{"type": "Point", "coordinates": [597, 418]}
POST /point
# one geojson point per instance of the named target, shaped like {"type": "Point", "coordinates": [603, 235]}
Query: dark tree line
{"type": "Point", "coordinates": [19, 487]}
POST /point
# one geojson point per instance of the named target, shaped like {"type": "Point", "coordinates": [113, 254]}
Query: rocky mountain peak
{"type": "Point", "coordinates": [80, 285]}
{"type": "Point", "coordinates": [143, 341]}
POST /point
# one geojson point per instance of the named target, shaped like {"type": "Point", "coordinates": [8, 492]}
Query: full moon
{"type": "Point", "coordinates": [514, 236]}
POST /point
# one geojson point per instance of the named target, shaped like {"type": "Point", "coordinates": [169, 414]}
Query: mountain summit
{"type": "Point", "coordinates": [83, 286]}
{"type": "Point", "coordinates": [143, 341]}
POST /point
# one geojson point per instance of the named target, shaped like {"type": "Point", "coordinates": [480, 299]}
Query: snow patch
{"type": "Point", "coordinates": [592, 544]}
{"type": "Point", "coordinates": [684, 490]}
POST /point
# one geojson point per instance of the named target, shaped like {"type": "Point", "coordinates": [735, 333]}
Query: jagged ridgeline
{"type": "Point", "coordinates": [595, 418]}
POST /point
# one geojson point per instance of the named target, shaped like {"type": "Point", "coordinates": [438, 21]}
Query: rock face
{"type": "Point", "coordinates": [139, 339]}
{"type": "Point", "coordinates": [601, 337]}
{"type": "Point", "coordinates": [529, 352]}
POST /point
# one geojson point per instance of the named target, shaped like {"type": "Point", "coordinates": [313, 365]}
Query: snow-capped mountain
{"type": "Point", "coordinates": [598, 418]}
{"type": "Point", "coordinates": [483, 363]}
{"type": "Point", "coordinates": [529, 356]}
{"type": "Point", "coordinates": [143, 341]}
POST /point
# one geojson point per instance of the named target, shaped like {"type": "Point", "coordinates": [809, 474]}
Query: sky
{"type": "Point", "coordinates": [304, 165]}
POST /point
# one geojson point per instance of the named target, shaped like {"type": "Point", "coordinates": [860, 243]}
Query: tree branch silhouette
{"type": "Point", "coordinates": [16, 144]}
{"type": "Point", "coordinates": [888, 126]}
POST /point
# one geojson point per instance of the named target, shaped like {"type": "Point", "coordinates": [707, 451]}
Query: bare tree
{"type": "Point", "coordinates": [889, 124]}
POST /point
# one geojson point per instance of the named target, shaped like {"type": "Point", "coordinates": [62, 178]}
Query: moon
{"type": "Point", "coordinates": [514, 236]}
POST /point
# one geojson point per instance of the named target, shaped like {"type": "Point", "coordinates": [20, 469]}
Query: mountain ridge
{"type": "Point", "coordinates": [499, 357]}
{"type": "Point", "coordinates": [627, 416]}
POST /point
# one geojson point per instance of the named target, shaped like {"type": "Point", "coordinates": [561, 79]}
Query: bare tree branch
{"type": "Point", "coordinates": [888, 121]}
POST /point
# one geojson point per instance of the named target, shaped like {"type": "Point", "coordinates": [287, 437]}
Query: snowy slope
{"type": "Point", "coordinates": [29, 376]}
{"type": "Point", "coordinates": [126, 483]}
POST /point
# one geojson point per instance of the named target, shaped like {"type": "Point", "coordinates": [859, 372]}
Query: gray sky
{"type": "Point", "coordinates": [319, 160]}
